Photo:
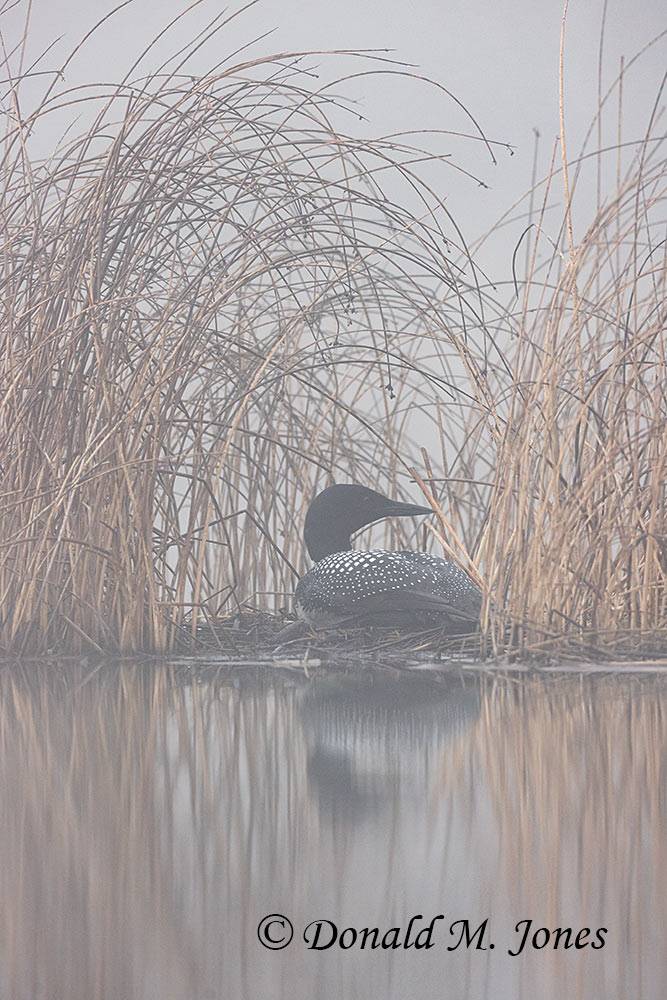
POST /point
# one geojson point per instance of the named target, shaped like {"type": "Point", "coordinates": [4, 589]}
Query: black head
{"type": "Point", "coordinates": [337, 512]}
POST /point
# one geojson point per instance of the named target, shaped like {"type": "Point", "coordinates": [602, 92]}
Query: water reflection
{"type": "Point", "coordinates": [152, 815]}
{"type": "Point", "coordinates": [371, 737]}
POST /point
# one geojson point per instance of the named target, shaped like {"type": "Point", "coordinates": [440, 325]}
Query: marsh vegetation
{"type": "Point", "coordinates": [222, 295]}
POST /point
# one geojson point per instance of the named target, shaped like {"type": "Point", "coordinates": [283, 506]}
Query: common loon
{"type": "Point", "coordinates": [377, 587]}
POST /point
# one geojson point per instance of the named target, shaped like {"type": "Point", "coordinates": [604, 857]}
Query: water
{"type": "Point", "coordinates": [152, 815]}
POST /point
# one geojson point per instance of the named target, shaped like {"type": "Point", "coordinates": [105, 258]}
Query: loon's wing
{"type": "Point", "coordinates": [406, 608]}
{"type": "Point", "coordinates": [417, 601]}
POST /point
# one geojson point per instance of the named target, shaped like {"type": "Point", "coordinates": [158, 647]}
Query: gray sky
{"type": "Point", "coordinates": [499, 58]}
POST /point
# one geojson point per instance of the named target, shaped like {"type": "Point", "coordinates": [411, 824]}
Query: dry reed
{"type": "Point", "coordinates": [218, 299]}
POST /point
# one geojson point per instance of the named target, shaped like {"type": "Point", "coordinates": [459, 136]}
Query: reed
{"type": "Point", "coordinates": [219, 297]}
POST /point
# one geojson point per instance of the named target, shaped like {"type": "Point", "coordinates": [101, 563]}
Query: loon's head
{"type": "Point", "coordinates": [337, 512]}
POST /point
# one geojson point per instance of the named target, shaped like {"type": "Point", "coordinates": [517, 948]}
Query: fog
{"type": "Point", "coordinates": [500, 60]}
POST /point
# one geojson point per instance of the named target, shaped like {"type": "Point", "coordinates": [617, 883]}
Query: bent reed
{"type": "Point", "coordinates": [219, 298]}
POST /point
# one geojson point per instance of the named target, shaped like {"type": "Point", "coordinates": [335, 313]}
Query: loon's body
{"type": "Point", "coordinates": [376, 587]}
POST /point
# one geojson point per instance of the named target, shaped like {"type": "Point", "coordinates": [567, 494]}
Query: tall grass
{"type": "Point", "coordinates": [219, 298]}
{"type": "Point", "coordinates": [577, 520]}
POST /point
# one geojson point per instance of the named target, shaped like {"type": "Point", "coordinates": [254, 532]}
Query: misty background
{"type": "Point", "coordinates": [500, 60]}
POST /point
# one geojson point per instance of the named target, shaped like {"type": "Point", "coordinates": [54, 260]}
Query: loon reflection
{"type": "Point", "coordinates": [367, 732]}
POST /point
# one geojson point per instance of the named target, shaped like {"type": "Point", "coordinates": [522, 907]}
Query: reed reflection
{"type": "Point", "coordinates": [152, 815]}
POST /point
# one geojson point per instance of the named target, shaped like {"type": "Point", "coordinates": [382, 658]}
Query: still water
{"type": "Point", "coordinates": [152, 815]}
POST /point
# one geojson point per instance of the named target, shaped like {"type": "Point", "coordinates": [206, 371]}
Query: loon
{"type": "Point", "coordinates": [377, 587]}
